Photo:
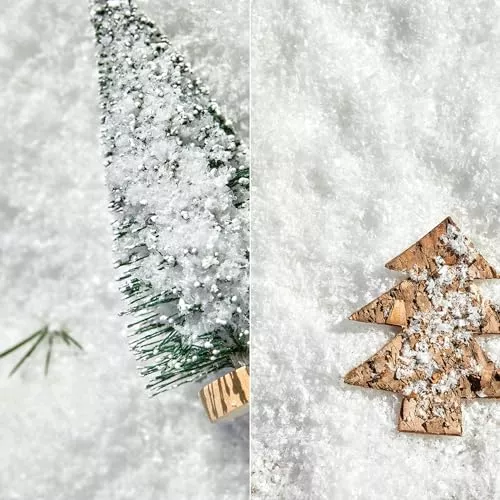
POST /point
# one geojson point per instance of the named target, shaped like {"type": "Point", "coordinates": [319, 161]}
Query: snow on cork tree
{"type": "Point", "coordinates": [178, 176]}
{"type": "Point", "coordinates": [436, 360]}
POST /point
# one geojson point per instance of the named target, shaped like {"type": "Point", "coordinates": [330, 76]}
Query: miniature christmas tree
{"type": "Point", "coordinates": [178, 177]}
{"type": "Point", "coordinates": [436, 360]}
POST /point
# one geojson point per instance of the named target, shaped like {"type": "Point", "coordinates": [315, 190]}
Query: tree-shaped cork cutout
{"type": "Point", "coordinates": [435, 361]}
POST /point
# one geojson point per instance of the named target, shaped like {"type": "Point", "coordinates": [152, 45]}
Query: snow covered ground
{"type": "Point", "coordinates": [372, 122]}
{"type": "Point", "coordinates": [89, 431]}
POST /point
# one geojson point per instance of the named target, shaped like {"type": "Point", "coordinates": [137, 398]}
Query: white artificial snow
{"type": "Point", "coordinates": [459, 244]}
{"type": "Point", "coordinates": [373, 121]}
{"type": "Point", "coordinates": [89, 431]}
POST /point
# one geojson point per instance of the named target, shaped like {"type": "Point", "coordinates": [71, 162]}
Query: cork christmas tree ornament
{"type": "Point", "coordinates": [435, 360]}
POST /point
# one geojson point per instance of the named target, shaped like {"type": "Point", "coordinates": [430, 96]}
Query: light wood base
{"type": "Point", "coordinates": [228, 396]}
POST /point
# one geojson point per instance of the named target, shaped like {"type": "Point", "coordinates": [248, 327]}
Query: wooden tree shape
{"type": "Point", "coordinates": [435, 360]}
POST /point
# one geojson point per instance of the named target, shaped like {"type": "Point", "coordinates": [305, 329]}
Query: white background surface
{"type": "Point", "coordinates": [89, 431]}
{"type": "Point", "coordinates": [372, 122]}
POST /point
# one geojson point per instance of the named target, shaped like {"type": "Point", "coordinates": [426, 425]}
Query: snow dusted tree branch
{"type": "Point", "coordinates": [178, 177]}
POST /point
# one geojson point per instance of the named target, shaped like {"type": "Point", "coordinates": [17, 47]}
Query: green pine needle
{"type": "Point", "coordinates": [36, 340]}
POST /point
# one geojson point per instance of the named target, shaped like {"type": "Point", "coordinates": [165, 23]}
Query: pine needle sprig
{"type": "Point", "coordinates": [43, 336]}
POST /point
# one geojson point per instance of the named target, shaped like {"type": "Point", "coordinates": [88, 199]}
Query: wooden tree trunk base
{"type": "Point", "coordinates": [448, 422]}
{"type": "Point", "coordinates": [227, 397]}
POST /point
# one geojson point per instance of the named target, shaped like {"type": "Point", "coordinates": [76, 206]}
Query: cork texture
{"type": "Point", "coordinates": [435, 361]}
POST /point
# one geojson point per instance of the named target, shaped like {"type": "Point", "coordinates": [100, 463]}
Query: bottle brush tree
{"type": "Point", "coordinates": [179, 182]}
{"type": "Point", "coordinates": [435, 361]}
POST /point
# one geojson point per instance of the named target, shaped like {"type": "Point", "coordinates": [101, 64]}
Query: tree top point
{"type": "Point", "coordinates": [447, 242]}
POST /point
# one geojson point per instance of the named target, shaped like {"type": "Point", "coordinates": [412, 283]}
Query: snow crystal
{"type": "Point", "coordinates": [456, 241]}
{"type": "Point", "coordinates": [417, 274]}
